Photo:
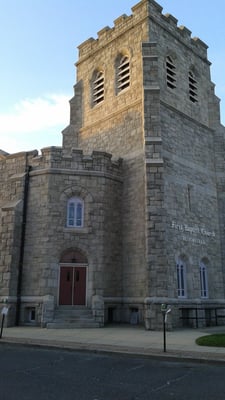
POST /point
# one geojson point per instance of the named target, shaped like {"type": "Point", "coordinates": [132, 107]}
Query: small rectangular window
{"type": "Point", "coordinates": [71, 214]}
{"type": "Point", "coordinates": [79, 214]}
{"type": "Point", "coordinates": [203, 280]}
{"type": "Point", "coordinates": [181, 280]}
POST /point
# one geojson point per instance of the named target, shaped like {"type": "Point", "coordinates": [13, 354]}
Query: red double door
{"type": "Point", "coordinates": [72, 288]}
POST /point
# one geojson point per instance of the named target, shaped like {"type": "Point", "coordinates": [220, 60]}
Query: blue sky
{"type": "Point", "coordinates": [38, 44]}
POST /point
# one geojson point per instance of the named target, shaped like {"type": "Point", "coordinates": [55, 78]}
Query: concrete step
{"type": "Point", "coordinates": [72, 325]}
{"type": "Point", "coordinates": [76, 313]}
{"type": "Point", "coordinates": [67, 317]}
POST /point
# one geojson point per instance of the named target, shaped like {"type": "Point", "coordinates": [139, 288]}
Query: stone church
{"type": "Point", "coordinates": [129, 213]}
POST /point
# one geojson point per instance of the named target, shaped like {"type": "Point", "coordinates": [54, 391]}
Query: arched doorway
{"type": "Point", "coordinates": [72, 283]}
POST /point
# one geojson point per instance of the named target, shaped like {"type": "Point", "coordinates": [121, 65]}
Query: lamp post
{"type": "Point", "coordinates": [165, 308]}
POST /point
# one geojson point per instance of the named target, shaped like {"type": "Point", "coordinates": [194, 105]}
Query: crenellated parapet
{"type": "Point", "coordinates": [98, 162]}
{"type": "Point", "coordinates": [106, 35]}
{"type": "Point", "coordinates": [170, 23]}
{"type": "Point", "coordinates": [145, 12]}
{"type": "Point", "coordinates": [13, 166]}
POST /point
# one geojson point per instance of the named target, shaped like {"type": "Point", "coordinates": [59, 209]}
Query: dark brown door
{"type": "Point", "coordinates": [65, 287]}
{"type": "Point", "coordinates": [79, 285]}
{"type": "Point", "coordinates": [72, 288]}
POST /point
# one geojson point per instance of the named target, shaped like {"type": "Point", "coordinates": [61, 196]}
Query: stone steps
{"type": "Point", "coordinates": [67, 317]}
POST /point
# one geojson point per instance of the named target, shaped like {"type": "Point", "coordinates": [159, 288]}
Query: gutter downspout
{"type": "Point", "coordinates": [22, 241]}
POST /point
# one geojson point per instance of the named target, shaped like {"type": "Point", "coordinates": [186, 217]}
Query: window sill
{"type": "Point", "coordinates": [75, 230]}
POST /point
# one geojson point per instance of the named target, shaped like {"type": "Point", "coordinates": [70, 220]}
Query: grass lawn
{"type": "Point", "coordinates": [216, 340]}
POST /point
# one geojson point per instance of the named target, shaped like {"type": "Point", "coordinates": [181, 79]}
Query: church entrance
{"type": "Point", "coordinates": [72, 283]}
{"type": "Point", "coordinates": [72, 288]}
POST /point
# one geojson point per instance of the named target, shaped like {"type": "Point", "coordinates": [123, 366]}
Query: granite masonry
{"type": "Point", "coordinates": [129, 213]}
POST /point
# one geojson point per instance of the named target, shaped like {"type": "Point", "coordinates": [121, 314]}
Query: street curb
{"type": "Point", "coordinates": [169, 355]}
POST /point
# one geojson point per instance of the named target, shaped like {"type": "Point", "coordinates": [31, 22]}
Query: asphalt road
{"type": "Point", "coordinates": [28, 373]}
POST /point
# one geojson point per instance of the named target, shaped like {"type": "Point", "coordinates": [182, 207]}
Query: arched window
{"type": "Point", "coordinates": [193, 89]}
{"type": "Point", "coordinates": [170, 73]}
{"type": "Point", "coordinates": [75, 213]}
{"type": "Point", "coordinates": [203, 280]}
{"type": "Point", "coordinates": [98, 90]}
{"type": "Point", "coordinates": [123, 73]}
{"type": "Point", "coordinates": [181, 279]}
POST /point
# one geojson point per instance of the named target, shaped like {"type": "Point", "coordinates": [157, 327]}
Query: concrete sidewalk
{"type": "Point", "coordinates": [180, 344]}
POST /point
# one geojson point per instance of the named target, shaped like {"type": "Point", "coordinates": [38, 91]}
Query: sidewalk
{"type": "Point", "coordinates": [126, 339]}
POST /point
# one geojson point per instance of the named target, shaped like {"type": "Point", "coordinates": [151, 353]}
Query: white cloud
{"type": "Point", "coordinates": [33, 123]}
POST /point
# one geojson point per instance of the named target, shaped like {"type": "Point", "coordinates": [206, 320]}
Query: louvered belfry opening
{"type": "Point", "coordinates": [193, 89]}
{"type": "Point", "coordinates": [123, 74]}
{"type": "Point", "coordinates": [170, 73]}
{"type": "Point", "coordinates": [98, 88]}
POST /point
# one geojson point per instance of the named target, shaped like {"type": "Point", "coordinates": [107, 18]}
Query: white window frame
{"type": "Point", "coordinates": [75, 213]}
{"type": "Point", "coordinates": [181, 279]}
{"type": "Point", "coordinates": [203, 280]}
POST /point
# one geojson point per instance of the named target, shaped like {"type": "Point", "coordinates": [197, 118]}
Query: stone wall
{"type": "Point", "coordinates": [13, 170]}
{"type": "Point", "coordinates": [115, 125]}
{"type": "Point", "coordinates": [182, 137]}
{"type": "Point", "coordinates": [53, 179]}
